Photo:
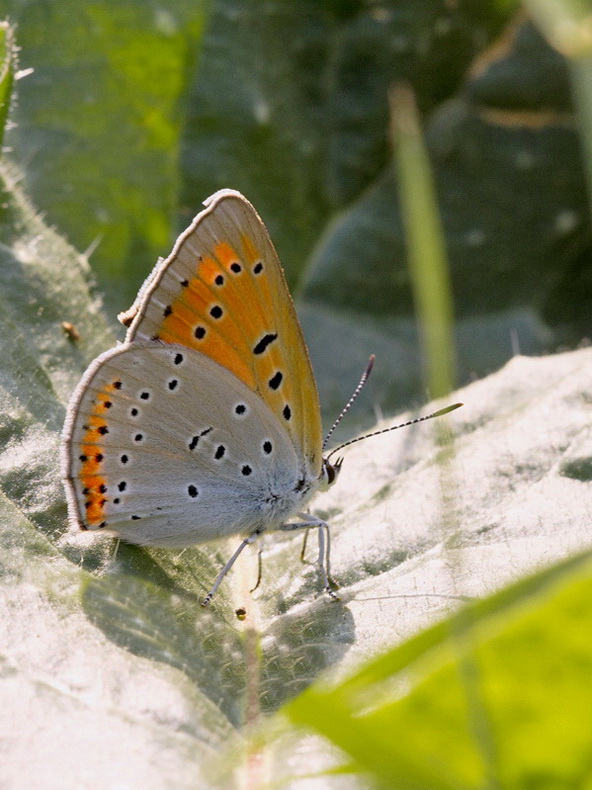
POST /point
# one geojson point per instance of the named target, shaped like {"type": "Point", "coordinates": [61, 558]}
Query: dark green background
{"type": "Point", "coordinates": [136, 112]}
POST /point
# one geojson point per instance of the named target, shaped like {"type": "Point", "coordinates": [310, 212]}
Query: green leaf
{"type": "Point", "coordinates": [102, 115]}
{"type": "Point", "coordinates": [128, 650]}
{"type": "Point", "coordinates": [476, 701]}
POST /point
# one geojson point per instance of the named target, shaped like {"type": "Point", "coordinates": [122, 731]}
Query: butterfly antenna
{"type": "Point", "coordinates": [438, 413]}
{"type": "Point", "coordinates": [350, 402]}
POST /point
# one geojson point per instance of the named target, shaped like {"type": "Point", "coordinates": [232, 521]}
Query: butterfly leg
{"type": "Point", "coordinates": [323, 560]}
{"type": "Point", "coordinates": [324, 534]}
{"type": "Point", "coordinates": [303, 551]}
{"type": "Point", "coordinates": [246, 542]}
{"type": "Point", "coordinates": [332, 581]}
{"type": "Point", "coordinates": [259, 568]}
{"type": "Point", "coordinates": [115, 550]}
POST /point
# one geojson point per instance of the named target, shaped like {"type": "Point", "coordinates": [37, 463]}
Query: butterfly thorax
{"type": "Point", "coordinates": [281, 506]}
{"type": "Point", "coordinates": [284, 502]}
{"type": "Point", "coordinates": [278, 506]}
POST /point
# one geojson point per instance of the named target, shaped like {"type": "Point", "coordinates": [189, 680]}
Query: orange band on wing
{"type": "Point", "coordinates": [225, 254]}
{"type": "Point", "coordinates": [93, 483]}
{"type": "Point", "coordinates": [251, 253]}
{"type": "Point", "coordinates": [204, 315]}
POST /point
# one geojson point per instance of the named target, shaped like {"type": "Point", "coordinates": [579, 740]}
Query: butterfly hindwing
{"type": "Point", "coordinates": [164, 446]}
{"type": "Point", "coordinates": [222, 292]}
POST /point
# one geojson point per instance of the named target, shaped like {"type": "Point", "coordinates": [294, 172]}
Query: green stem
{"type": "Point", "coordinates": [581, 79]}
{"type": "Point", "coordinates": [425, 242]}
{"type": "Point", "coordinates": [7, 66]}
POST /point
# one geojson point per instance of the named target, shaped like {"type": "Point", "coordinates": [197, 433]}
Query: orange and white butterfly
{"type": "Point", "coordinates": [205, 422]}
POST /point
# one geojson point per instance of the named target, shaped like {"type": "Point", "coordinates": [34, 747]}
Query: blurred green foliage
{"type": "Point", "coordinates": [98, 124]}
{"type": "Point", "coordinates": [135, 113]}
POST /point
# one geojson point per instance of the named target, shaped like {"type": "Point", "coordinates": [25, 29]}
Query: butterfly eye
{"type": "Point", "coordinates": [331, 471]}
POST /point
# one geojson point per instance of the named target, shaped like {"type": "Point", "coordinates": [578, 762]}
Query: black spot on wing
{"type": "Point", "coordinates": [263, 344]}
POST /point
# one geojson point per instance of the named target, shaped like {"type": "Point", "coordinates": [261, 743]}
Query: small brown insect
{"type": "Point", "coordinates": [70, 331]}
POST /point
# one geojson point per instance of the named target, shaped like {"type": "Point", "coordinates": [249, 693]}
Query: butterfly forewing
{"type": "Point", "coordinates": [207, 472]}
{"type": "Point", "coordinates": [222, 292]}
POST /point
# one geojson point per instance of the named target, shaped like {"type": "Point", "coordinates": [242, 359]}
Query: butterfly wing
{"type": "Point", "coordinates": [222, 292]}
{"type": "Point", "coordinates": [163, 446]}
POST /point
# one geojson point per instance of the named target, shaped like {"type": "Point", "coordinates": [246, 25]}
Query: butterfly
{"type": "Point", "coordinates": [205, 422]}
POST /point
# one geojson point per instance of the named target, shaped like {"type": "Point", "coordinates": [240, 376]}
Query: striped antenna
{"type": "Point", "coordinates": [438, 413]}
{"type": "Point", "coordinates": [350, 402]}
